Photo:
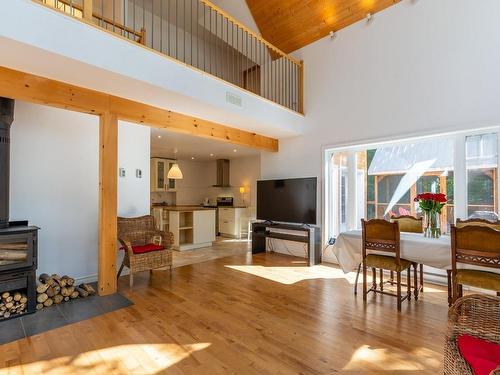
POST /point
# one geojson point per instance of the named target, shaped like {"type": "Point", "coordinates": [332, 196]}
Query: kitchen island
{"type": "Point", "coordinates": [193, 226]}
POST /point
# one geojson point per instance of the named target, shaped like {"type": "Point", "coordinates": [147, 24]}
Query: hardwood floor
{"type": "Point", "coordinates": [266, 314]}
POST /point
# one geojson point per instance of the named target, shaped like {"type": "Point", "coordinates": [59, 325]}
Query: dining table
{"type": "Point", "coordinates": [415, 247]}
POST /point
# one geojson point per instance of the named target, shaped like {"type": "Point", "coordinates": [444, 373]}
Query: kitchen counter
{"type": "Point", "coordinates": [182, 208]}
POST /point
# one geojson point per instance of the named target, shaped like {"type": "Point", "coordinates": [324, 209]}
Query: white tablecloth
{"type": "Point", "coordinates": [434, 252]}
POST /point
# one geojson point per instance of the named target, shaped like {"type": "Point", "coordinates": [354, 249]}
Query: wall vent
{"type": "Point", "coordinates": [233, 98]}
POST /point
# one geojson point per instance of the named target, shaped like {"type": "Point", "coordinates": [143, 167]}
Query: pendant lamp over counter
{"type": "Point", "coordinates": [175, 172]}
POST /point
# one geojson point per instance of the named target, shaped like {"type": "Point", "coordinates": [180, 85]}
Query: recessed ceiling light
{"type": "Point", "coordinates": [192, 157]}
{"type": "Point", "coordinates": [235, 150]}
{"type": "Point", "coordinates": [212, 155]}
{"type": "Point", "coordinates": [159, 136]}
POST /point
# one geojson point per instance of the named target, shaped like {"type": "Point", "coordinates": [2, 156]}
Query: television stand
{"type": "Point", "coordinates": [310, 235]}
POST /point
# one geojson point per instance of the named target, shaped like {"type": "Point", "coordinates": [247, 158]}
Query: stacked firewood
{"type": "Point", "coordinates": [56, 289]}
{"type": "Point", "coordinates": [12, 303]}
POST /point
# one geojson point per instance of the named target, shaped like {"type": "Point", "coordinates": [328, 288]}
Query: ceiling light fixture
{"type": "Point", "coordinates": [175, 172]}
{"type": "Point", "coordinates": [332, 34]}
{"type": "Point", "coordinates": [192, 157]}
{"type": "Point", "coordinates": [235, 150]}
{"type": "Point", "coordinates": [369, 17]}
{"type": "Point", "coordinates": [159, 136]}
{"type": "Point", "coordinates": [211, 155]}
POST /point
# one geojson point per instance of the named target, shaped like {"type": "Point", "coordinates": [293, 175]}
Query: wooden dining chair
{"type": "Point", "coordinates": [412, 224]}
{"type": "Point", "coordinates": [477, 246]}
{"type": "Point", "coordinates": [463, 223]}
{"type": "Point", "coordinates": [478, 222]}
{"type": "Point", "coordinates": [383, 236]}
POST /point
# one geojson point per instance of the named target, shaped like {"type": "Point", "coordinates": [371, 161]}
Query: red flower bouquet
{"type": "Point", "coordinates": [429, 202]}
{"type": "Point", "coordinates": [431, 205]}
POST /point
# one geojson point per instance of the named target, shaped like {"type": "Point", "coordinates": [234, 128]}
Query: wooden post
{"type": "Point", "coordinates": [87, 10]}
{"type": "Point", "coordinates": [108, 196]}
{"type": "Point", "coordinates": [142, 40]}
{"type": "Point", "coordinates": [301, 87]}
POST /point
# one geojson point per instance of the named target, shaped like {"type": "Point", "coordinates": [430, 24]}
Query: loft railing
{"type": "Point", "coordinates": [203, 36]}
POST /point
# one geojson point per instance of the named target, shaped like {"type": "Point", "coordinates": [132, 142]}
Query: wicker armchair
{"type": "Point", "coordinates": [137, 232]}
{"type": "Point", "coordinates": [476, 315]}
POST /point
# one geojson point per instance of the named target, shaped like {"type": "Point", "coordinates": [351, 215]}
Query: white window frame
{"type": "Point", "coordinates": [460, 172]}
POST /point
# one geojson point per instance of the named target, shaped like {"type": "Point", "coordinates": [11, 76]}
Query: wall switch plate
{"type": "Point", "coordinates": [138, 173]}
{"type": "Point", "coordinates": [121, 172]}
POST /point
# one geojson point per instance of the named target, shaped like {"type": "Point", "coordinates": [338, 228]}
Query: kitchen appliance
{"type": "Point", "coordinates": [225, 201]}
{"type": "Point", "coordinates": [222, 202]}
{"type": "Point", "coordinates": [222, 176]}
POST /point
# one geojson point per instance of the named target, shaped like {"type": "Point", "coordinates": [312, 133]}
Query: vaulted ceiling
{"type": "Point", "coordinates": [292, 24]}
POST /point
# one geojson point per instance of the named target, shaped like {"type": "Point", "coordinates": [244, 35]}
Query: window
{"type": "Point", "coordinates": [379, 181]}
{"type": "Point", "coordinates": [482, 167]}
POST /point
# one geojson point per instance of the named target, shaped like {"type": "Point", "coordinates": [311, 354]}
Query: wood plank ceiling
{"type": "Point", "coordinates": [293, 24]}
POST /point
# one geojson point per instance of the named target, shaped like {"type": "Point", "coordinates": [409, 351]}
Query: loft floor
{"type": "Point", "coordinates": [266, 314]}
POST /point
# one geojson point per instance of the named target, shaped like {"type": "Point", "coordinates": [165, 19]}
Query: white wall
{"type": "Point", "coordinates": [245, 172]}
{"type": "Point", "coordinates": [239, 10]}
{"type": "Point", "coordinates": [54, 183]}
{"type": "Point", "coordinates": [133, 153]}
{"type": "Point", "coordinates": [419, 68]}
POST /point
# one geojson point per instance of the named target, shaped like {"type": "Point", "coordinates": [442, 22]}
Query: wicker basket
{"type": "Point", "coordinates": [476, 315]}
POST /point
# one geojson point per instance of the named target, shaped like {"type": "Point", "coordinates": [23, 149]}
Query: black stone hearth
{"type": "Point", "coordinates": [60, 315]}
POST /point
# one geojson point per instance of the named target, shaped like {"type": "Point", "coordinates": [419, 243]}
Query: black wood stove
{"type": "Point", "coordinates": [18, 240]}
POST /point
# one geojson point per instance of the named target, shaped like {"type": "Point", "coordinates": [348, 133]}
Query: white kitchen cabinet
{"type": "Point", "coordinates": [230, 221]}
{"type": "Point", "coordinates": [203, 226]}
{"type": "Point", "coordinates": [159, 172]}
{"type": "Point", "coordinates": [192, 228]}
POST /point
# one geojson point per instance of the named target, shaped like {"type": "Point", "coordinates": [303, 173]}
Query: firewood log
{"type": "Point", "coordinates": [58, 298]}
{"type": "Point", "coordinates": [66, 299]}
{"type": "Point", "coordinates": [74, 295]}
{"type": "Point", "coordinates": [9, 299]}
{"type": "Point", "coordinates": [23, 299]}
{"type": "Point", "coordinates": [13, 246]}
{"type": "Point", "coordinates": [50, 292]}
{"type": "Point", "coordinates": [58, 280]}
{"type": "Point", "coordinates": [57, 288]}
{"type": "Point", "coordinates": [1, 313]}
{"type": "Point", "coordinates": [9, 305]}
{"type": "Point", "coordinates": [12, 255]}
{"type": "Point", "coordinates": [39, 306]}
{"type": "Point", "coordinates": [48, 302]}
{"type": "Point", "coordinates": [2, 307]}
{"type": "Point", "coordinates": [45, 279]}
{"type": "Point", "coordinates": [69, 280]}
{"type": "Point", "coordinates": [42, 288]}
{"type": "Point", "coordinates": [67, 290]}
{"type": "Point", "coordinates": [6, 314]}
{"type": "Point", "coordinates": [42, 297]}
{"type": "Point", "coordinates": [5, 295]}
{"type": "Point", "coordinates": [88, 288]}
{"type": "Point", "coordinates": [82, 292]}
{"type": "Point", "coordinates": [17, 296]}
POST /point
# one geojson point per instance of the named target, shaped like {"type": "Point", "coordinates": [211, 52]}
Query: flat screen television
{"type": "Point", "coordinates": [290, 200]}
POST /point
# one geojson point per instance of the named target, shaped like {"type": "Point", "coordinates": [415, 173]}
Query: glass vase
{"type": "Point", "coordinates": [432, 224]}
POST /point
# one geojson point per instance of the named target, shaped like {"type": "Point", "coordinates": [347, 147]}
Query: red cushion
{"type": "Point", "coordinates": [146, 248]}
{"type": "Point", "coordinates": [483, 356]}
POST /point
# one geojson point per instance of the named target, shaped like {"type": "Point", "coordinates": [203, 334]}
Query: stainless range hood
{"type": "Point", "coordinates": [222, 173]}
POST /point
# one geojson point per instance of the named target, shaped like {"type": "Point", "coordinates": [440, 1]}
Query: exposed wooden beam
{"type": "Point", "coordinates": [36, 89]}
{"type": "Point", "coordinates": [108, 197]}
